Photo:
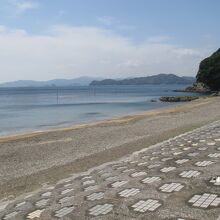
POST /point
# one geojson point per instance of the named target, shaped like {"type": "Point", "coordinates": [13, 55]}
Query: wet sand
{"type": "Point", "coordinates": [29, 160]}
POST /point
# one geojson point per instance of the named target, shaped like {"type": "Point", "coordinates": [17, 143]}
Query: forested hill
{"type": "Point", "coordinates": [156, 79]}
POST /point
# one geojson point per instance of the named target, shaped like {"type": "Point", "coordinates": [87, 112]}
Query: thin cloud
{"type": "Point", "coordinates": [112, 22]}
{"type": "Point", "coordinates": [106, 20]}
{"type": "Point", "coordinates": [159, 39]}
{"type": "Point", "coordinates": [22, 6]}
{"type": "Point", "coordinates": [69, 51]}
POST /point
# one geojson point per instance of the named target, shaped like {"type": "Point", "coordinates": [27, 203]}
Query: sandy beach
{"type": "Point", "coordinates": [28, 161]}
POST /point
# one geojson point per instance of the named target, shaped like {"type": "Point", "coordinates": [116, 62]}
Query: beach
{"type": "Point", "coordinates": [30, 160]}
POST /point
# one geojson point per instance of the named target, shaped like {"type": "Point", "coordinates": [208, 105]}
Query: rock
{"type": "Point", "coordinates": [215, 94]}
{"type": "Point", "coordinates": [198, 87]}
{"type": "Point", "coordinates": [209, 72]}
{"type": "Point", "coordinates": [153, 100]}
{"type": "Point", "coordinates": [178, 98]}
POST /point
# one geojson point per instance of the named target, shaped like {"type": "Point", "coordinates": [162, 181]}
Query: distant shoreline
{"type": "Point", "coordinates": [86, 81]}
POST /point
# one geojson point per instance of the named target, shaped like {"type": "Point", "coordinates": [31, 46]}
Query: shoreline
{"type": "Point", "coordinates": [31, 160]}
{"type": "Point", "coordinates": [75, 125]}
{"type": "Point", "coordinates": [116, 119]}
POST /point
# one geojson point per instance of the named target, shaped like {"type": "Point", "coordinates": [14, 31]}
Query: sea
{"type": "Point", "coordinates": [36, 109]}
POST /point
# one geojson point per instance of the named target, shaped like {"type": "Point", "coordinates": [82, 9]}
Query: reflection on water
{"type": "Point", "coordinates": [23, 109]}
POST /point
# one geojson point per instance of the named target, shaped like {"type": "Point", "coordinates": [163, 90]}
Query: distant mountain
{"type": "Point", "coordinates": [81, 81]}
{"type": "Point", "coordinates": [155, 80]}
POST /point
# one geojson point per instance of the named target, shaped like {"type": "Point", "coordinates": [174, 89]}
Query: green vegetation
{"type": "Point", "coordinates": [153, 80]}
{"type": "Point", "coordinates": [209, 72]}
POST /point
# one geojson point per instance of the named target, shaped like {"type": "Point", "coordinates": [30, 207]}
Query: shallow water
{"type": "Point", "coordinates": [28, 109]}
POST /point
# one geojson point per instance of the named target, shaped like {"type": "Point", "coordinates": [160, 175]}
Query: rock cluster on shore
{"type": "Point", "coordinates": [178, 98]}
{"type": "Point", "coordinates": [198, 87]}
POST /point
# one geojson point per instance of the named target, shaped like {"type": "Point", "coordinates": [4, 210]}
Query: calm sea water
{"type": "Point", "coordinates": [28, 109]}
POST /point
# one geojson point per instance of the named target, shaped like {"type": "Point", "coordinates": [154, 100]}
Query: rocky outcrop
{"type": "Point", "coordinates": [215, 94]}
{"type": "Point", "coordinates": [198, 87]}
{"type": "Point", "coordinates": [209, 72]}
{"type": "Point", "coordinates": [178, 98]}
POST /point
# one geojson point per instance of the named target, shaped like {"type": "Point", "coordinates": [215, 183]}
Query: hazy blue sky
{"type": "Point", "coordinates": [45, 39]}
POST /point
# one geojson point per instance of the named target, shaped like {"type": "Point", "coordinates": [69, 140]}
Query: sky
{"type": "Point", "coordinates": [49, 39]}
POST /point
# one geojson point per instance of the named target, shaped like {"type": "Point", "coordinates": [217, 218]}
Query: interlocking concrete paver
{"type": "Point", "coordinates": [214, 155]}
{"type": "Point", "coordinates": [20, 204]}
{"type": "Point", "coordinates": [167, 169]}
{"type": "Point", "coordinates": [95, 196]}
{"type": "Point", "coordinates": [66, 199]}
{"type": "Point", "coordinates": [190, 173]}
{"type": "Point", "coordinates": [129, 192]}
{"type": "Point", "coordinates": [181, 161]}
{"type": "Point", "coordinates": [137, 174]}
{"type": "Point", "coordinates": [118, 184]}
{"type": "Point", "coordinates": [88, 182]}
{"type": "Point", "coordinates": [35, 214]}
{"type": "Point", "coordinates": [101, 209]}
{"type": "Point", "coordinates": [175, 179]}
{"type": "Point", "coordinates": [151, 179]}
{"type": "Point", "coordinates": [46, 194]}
{"type": "Point", "coordinates": [205, 200]}
{"type": "Point", "coordinates": [203, 163]}
{"type": "Point", "coordinates": [171, 187]}
{"type": "Point", "coordinates": [41, 202]}
{"type": "Point", "coordinates": [90, 188]}
{"type": "Point", "coordinates": [64, 211]}
{"type": "Point", "coordinates": [148, 205]}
